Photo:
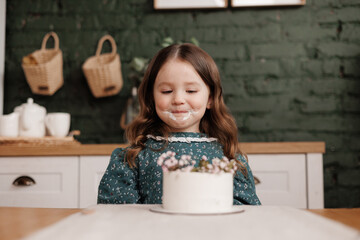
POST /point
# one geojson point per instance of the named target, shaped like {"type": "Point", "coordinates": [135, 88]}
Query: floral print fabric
{"type": "Point", "coordinates": [143, 184]}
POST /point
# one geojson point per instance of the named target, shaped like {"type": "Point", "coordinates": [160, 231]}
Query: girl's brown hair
{"type": "Point", "coordinates": [217, 121]}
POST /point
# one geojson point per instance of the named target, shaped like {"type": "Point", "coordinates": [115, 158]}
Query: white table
{"type": "Point", "coordinates": [137, 222]}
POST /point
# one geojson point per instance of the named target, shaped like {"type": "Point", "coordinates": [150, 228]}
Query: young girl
{"type": "Point", "coordinates": [181, 110]}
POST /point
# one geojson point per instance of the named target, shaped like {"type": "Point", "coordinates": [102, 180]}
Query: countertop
{"type": "Point", "coordinates": [106, 149]}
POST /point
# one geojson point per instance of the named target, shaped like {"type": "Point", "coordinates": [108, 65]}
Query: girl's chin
{"type": "Point", "coordinates": [178, 125]}
{"type": "Point", "coordinates": [178, 121]}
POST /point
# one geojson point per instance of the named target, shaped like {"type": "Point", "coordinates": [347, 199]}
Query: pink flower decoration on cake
{"type": "Point", "coordinates": [168, 162]}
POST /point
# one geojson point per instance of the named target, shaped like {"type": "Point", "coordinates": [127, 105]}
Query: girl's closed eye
{"type": "Point", "coordinates": [166, 91]}
{"type": "Point", "coordinates": [191, 91]}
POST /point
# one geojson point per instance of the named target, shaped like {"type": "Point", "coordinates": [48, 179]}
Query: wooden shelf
{"type": "Point", "coordinates": [283, 147]}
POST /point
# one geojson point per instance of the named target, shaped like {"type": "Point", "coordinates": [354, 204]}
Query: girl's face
{"type": "Point", "coordinates": [181, 96]}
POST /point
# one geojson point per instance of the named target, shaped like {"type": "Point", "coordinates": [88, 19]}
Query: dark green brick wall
{"type": "Point", "coordinates": [289, 74]}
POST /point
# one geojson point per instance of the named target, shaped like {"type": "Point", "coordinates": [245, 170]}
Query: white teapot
{"type": "Point", "coordinates": [32, 119]}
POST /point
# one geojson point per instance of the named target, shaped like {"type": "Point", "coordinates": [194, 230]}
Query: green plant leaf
{"type": "Point", "coordinates": [167, 42]}
{"type": "Point", "coordinates": [194, 41]}
{"type": "Point", "coordinates": [138, 63]}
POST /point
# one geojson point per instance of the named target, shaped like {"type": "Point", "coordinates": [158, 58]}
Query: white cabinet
{"type": "Point", "coordinates": [39, 182]}
{"type": "Point", "coordinates": [51, 182]}
{"type": "Point", "coordinates": [72, 182]}
{"type": "Point", "coordinates": [289, 179]}
{"type": "Point", "coordinates": [92, 168]}
{"type": "Point", "coordinates": [282, 179]}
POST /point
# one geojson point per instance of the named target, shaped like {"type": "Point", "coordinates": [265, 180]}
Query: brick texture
{"type": "Point", "coordinates": [289, 73]}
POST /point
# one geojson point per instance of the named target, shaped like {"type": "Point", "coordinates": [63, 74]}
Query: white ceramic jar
{"type": "Point", "coordinates": [9, 125]}
{"type": "Point", "coordinates": [32, 119]}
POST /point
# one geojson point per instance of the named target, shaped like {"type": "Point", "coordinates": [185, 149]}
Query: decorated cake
{"type": "Point", "coordinates": [207, 188]}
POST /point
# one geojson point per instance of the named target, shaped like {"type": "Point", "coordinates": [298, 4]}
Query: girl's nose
{"type": "Point", "coordinates": [178, 98]}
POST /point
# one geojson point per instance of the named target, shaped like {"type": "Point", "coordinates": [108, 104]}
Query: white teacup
{"type": "Point", "coordinates": [9, 125]}
{"type": "Point", "coordinates": [58, 124]}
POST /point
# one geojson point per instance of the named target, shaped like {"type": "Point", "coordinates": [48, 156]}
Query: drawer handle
{"type": "Point", "coordinates": [256, 180]}
{"type": "Point", "coordinates": [24, 181]}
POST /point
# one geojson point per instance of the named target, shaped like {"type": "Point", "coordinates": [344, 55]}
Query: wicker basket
{"type": "Point", "coordinates": [44, 68]}
{"type": "Point", "coordinates": [103, 72]}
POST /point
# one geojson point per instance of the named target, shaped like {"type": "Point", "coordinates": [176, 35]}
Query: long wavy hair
{"type": "Point", "coordinates": [217, 121]}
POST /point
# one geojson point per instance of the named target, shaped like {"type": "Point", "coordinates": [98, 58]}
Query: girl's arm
{"type": "Point", "coordinates": [119, 183]}
{"type": "Point", "coordinates": [244, 186]}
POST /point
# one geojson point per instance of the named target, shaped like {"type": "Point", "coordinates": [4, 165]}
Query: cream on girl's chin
{"type": "Point", "coordinates": [186, 117]}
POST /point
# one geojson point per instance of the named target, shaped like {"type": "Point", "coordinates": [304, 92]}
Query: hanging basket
{"type": "Point", "coordinates": [44, 68]}
{"type": "Point", "coordinates": [103, 71]}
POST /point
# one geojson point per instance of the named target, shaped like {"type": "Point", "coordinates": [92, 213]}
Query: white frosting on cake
{"type": "Point", "coordinates": [193, 192]}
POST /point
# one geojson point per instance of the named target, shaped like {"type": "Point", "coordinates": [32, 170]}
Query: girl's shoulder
{"type": "Point", "coordinates": [118, 153]}
{"type": "Point", "coordinates": [121, 152]}
{"type": "Point", "coordinates": [153, 142]}
{"type": "Point", "coordinates": [242, 158]}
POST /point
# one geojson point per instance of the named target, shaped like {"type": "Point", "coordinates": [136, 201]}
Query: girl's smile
{"type": "Point", "coordinates": [181, 96]}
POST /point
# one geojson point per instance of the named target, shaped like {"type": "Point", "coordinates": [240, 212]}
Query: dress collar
{"type": "Point", "coordinates": [187, 137]}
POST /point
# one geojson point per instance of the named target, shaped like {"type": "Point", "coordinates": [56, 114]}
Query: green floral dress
{"type": "Point", "coordinates": [143, 184]}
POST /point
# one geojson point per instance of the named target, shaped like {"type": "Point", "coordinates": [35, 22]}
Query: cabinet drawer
{"type": "Point", "coordinates": [55, 182]}
{"type": "Point", "coordinates": [282, 179]}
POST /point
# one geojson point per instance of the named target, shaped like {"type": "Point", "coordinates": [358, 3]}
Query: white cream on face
{"type": "Point", "coordinates": [170, 115]}
{"type": "Point", "coordinates": [186, 117]}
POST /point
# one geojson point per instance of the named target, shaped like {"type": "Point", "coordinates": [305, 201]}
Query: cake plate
{"type": "Point", "coordinates": [160, 209]}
